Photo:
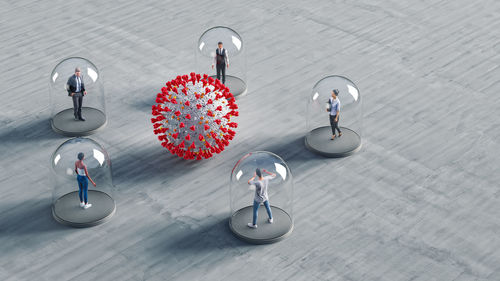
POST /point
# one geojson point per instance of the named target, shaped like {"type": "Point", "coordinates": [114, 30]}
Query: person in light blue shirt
{"type": "Point", "coordinates": [334, 110]}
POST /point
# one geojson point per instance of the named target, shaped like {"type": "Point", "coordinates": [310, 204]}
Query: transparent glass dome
{"type": "Point", "coordinates": [67, 107]}
{"type": "Point", "coordinates": [69, 189]}
{"type": "Point", "coordinates": [243, 196]}
{"type": "Point", "coordinates": [320, 124]}
{"type": "Point", "coordinates": [206, 61]}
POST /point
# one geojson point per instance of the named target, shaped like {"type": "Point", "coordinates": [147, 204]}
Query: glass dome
{"type": "Point", "coordinates": [75, 200]}
{"type": "Point", "coordinates": [208, 61]}
{"type": "Point", "coordinates": [248, 193]}
{"type": "Point", "coordinates": [334, 124]}
{"type": "Point", "coordinates": [76, 98]}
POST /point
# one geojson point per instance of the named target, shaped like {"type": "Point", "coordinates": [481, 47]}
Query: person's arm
{"type": "Point", "coordinates": [87, 174]}
{"type": "Point", "coordinates": [215, 59]}
{"type": "Point", "coordinates": [76, 171]}
{"type": "Point", "coordinates": [269, 173]}
{"type": "Point", "coordinates": [83, 87]}
{"type": "Point", "coordinates": [71, 88]}
{"type": "Point", "coordinates": [338, 112]}
{"type": "Point", "coordinates": [250, 180]}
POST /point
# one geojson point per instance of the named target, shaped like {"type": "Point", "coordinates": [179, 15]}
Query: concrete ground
{"type": "Point", "coordinates": [420, 201]}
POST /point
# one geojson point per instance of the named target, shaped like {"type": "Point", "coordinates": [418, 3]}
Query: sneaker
{"type": "Point", "coordinates": [251, 225]}
{"type": "Point", "coordinates": [88, 205]}
{"type": "Point", "coordinates": [82, 204]}
{"type": "Point", "coordinates": [270, 220]}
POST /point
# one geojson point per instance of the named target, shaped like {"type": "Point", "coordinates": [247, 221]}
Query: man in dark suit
{"type": "Point", "coordinates": [76, 90]}
{"type": "Point", "coordinates": [221, 60]}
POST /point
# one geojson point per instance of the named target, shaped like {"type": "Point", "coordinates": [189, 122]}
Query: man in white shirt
{"type": "Point", "coordinates": [76, 90]}
{"type": "Point", "coordinates": [221, 60]}
{"type": "Point", "coordinates": [261, 196]}
{"type": "Point", "coordinates": [334, 110]}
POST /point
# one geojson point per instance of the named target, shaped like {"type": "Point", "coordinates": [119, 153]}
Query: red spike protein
{"type": "Point", "coordinates": [192, 116]}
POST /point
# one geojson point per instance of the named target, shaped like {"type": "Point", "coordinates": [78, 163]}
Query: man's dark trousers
{"type": "Point", "coordinates": [221, 68]}
{"type": "Point", "coordinates": [77, 104]}
{"type": "Point", "coordinates": [334, 124]}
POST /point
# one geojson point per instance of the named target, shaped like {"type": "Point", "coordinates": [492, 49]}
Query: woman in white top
{"type": "Point", "coordinates": [261, 196]}
{"type": "Point", "coordinates": [83, 181]}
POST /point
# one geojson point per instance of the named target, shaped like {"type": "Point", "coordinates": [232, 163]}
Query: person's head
{"type": "Point", "coordinates": [77, 71]}
{"type": "Point", "coordinates": [258, 173]}
{"type": "Point", "coordinates": [335, 93]}
{"type": "Point", "coordinates": [81, 156]}
{"type": "Point", "coordinates": [219, 44]}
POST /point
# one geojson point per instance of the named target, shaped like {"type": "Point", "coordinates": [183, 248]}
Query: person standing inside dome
{"type": "Point", "coordinates": [334, 110]}
{"type": "Point", "coordinates": [76, 90]}
{"type": "Point", "coordinates": [221, 60]}
{"type": "Point", "coordinates": [261, 196]}
{"type": "Point", "coordinates": [83, 181]}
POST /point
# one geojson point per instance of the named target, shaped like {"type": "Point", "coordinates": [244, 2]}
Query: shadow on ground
{"type": "Point", "coordinates": [151, 162]}
{"type": "Point", "coordinates": [180, 240]}
{"type": "Point", "coordinates": [207, 238]}
{"type": "Point", "coordinates": [32, 131]}
{"type": "Point", "coordinates": [142, 99]}
{"type": "Point", "coordinates": [293, 151]}
{"type": "Point", "coordinates": [30, 217]}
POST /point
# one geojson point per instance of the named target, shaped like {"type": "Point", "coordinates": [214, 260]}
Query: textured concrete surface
{"type": "Point", "coordinates": [420, 201]}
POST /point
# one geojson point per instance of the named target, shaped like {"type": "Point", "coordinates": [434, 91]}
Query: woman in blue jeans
{"type": "Point", "coordinates": [83, 181]}
{"type": "Point", "coordinates": [261, 196]}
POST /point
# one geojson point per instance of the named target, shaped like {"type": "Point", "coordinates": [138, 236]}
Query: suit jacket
{"type": "Point", "coordinates": [71, 84]}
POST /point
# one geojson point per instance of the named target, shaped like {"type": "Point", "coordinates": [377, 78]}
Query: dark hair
{"type": "Point", "coordinates": [336, 92]}
{"type": "Point", "coordinates": [80, 156]}
{"type": "Point", "coordinates": [219, 43]}
{"type": "Point", "coordinates": [258, 172]}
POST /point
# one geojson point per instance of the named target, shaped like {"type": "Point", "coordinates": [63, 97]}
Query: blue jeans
{"type": "Point", "coordinates": [256, 206]}
{"type": "Point", "coordinates": [83, 185]}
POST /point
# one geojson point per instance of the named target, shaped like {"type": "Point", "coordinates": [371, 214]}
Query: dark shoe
{"type": "Point", "coordinates": [340, 134]}
{"type": "Point", "coordinates": [333, 137]}
{"type": "Point", "coordinates": [76, 118]}
{"type": "Point", "coordinates": [81, 118]}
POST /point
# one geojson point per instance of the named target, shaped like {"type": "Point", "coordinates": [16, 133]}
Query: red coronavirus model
{"type": "Point", "coordinates": [192, 116]}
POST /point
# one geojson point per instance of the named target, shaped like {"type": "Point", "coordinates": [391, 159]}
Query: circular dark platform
{"type": "Point", "coordinates": [65, 124]}
{"type": "Point", "coordinates": [66, 210]}
{"type": "Point", "coordinates": [265, 232]}
{"type": "Point", "coordinates": [237, 86]}
{"type": "Point", "coordinates": [318, 141]}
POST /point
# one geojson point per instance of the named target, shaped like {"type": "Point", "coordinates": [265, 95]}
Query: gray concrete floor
{"type": "Point", "coordinates": [420, 201]}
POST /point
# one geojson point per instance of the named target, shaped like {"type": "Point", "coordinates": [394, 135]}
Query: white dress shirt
{"type": "Point", "coordinates": [78, 84]}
